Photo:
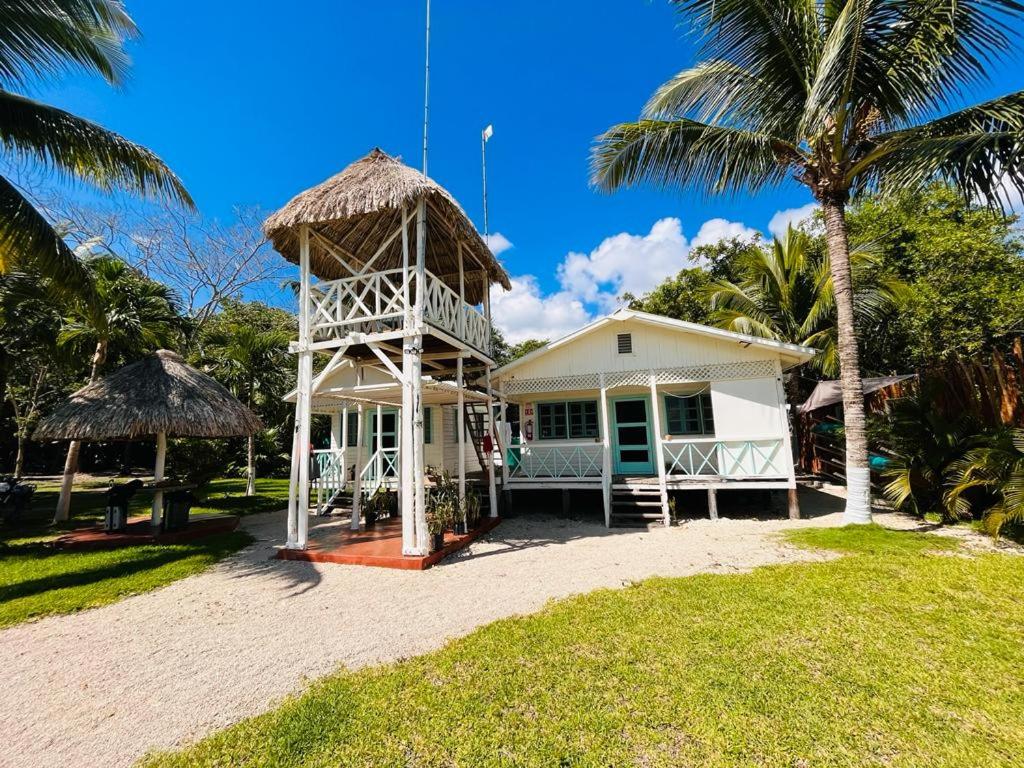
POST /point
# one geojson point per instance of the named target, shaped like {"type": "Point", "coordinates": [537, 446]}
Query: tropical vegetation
{"type": "Point", "coordinates": [649, 675]}
{"type": "Point", "coordinates": [841, 97]}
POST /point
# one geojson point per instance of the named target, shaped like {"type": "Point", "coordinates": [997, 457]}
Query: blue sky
{"type": "Point", "coordinates": [252, 102]}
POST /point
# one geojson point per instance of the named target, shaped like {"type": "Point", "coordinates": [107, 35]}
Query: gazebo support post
{"type": "Point", "coordinates": [304, 394]}
{"type": "Point", "coordinates": [158, 475]}
{"type": "Point", "coordinates": [422, 545]}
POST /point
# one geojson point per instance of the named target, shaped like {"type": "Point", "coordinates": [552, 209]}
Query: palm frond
{"type": "Point", "coordinates": [686, 152]}
{"type": "Point", "coordinates": [28, 242]}
{"type": "Point", "coordinates": [84, 150]}
{"type": "Point", "coordinates": [45, 37]}
{"type": "Point", "coordinates": [979, 149]}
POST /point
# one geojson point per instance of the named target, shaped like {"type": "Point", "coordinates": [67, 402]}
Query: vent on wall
{"type": "Point", "coordinates": [625, 343]}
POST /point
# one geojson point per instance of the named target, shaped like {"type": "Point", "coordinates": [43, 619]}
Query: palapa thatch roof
{"type": "Point", "coordinates": [159, 393]}
{"type": "Point", "coordinates": [358, 208]}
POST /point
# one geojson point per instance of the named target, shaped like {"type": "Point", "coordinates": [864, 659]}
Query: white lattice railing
{"type": "Point", "coordinates": [332, 474]}
{"type": "Point", "coordinates": [382, 465]}
{"type": "Point", "coordinates": [374, 303]}
{"type": "Point", "coordinates": [759, 457]}
{"type": "Point", "coordinates": [562, 461]}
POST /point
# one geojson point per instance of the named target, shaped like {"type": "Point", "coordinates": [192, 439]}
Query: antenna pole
{"type": "Point", "coordinates": [426, 92]}
{"type": "Point", "coordinates": [483, 167]}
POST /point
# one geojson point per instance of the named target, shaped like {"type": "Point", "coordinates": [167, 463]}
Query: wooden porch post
{"type": "Point", "coordinates": [492, 492]}
{"type": "Point", "coordinates": [357, 479]}
{"type": "Point", "coordinates": [406, 454]}
{"type": "Point", "coordinates": [793, 498]}
{"type": "Point", "coordinates": [157, 512]}
{"type": "Point", "coordinates": [460, 421]}
{"type": "Point", "coordinates": [659, 448]}
{"type": "Point", "coordinates": [422, 546]}
{"type": "Point", "coordinates": [503, 443]}
{"type": "Point", "coordinates": [606, 454]}
{"type": "Point", "coordinates": [305, 386]}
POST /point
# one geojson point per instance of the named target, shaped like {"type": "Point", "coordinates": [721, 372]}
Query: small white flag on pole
{"type": "Point", "coordinates": [488, 132]}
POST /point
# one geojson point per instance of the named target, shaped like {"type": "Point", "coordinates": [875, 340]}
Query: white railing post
{"type": "Point", "coordinates": [659, 447]}
{"type": "Point", "coordinates": [606, 454]}
{"type": "Point", "coordinates": [357, 480]}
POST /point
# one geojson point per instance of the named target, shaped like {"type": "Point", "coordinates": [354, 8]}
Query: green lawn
{"type": "Point", "coordinates": [37, 580]}
{"type": "Point", "coordinates": [900, 653]}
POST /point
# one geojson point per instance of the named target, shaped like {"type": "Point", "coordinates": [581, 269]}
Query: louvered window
{"type": "Point", "coordinates": [625, 341]}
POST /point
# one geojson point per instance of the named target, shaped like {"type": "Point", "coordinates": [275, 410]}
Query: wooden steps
{"type": "Point", "coordinates": [635, 506]}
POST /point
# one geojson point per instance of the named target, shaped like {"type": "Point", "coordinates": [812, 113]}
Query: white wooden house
{"type": "Point", "coordinates": [637, 405]}
{"type": "Point", "coordinates": [395, 294]}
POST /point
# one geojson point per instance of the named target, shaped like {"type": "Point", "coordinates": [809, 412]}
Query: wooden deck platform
{"type": "Point", "coordinates": [379, 546]}
{"type": "Point", "coordinates": [140, 531]}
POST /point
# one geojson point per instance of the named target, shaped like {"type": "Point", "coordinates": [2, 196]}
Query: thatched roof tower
{"type": "Point", "coordinates": [356, 209]}
{"type": "Point", "coordinates": [158, 394]}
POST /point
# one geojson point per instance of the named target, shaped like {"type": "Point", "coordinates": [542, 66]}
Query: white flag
{"type": "Point", "coordinates": [488, 132]}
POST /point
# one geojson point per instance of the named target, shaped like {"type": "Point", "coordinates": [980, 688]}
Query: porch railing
{"type": "Point", "coordinates": [562, 461]}
{"type": "Point", "coordinates": [375, 303]}
{"type": "Point", "coordinates": [758, 457]}
{"type": "Point", "coordinates": [332, 473]}
{"type": "Point", "coordinates": [382, 464]}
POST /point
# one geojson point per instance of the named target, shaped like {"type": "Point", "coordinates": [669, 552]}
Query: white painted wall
{"type": "Point", "coordinates": [746, 408]}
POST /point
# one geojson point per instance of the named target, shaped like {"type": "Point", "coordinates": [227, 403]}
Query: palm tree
{"type": "Point", "coordinates": [127, 314]}
{"type": "Point", "coordinates": [842, 97]}
{"type": "Point", "coordinates": [785, 293]}
{"type": "Point", "coordinates": [42, 39]}
{"type": "Point", "coordinates": [995, 465]}
{"type": "Point", "coordinates": [252, 362]}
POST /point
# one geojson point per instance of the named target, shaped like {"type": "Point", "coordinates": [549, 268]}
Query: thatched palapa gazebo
{"type": "Point", "coordinates": [159, 396]}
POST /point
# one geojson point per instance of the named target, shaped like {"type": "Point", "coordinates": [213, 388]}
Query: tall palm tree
{"type": "Point", "coordinates": [841, 95]}
{"type": "Point", "coordinates": [127, 314]}
{"type": "Point", "coordinates": [252, 362]}
{"type": "Point", "coordinates": [785, 293]}
{"type": "Point", "coordinates": [41, 40]}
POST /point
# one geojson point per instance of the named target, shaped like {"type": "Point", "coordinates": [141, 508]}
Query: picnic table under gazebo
{"type": "Point", "coordinates": [157, 397]}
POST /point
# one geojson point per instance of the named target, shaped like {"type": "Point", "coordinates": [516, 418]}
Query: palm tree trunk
{"type": "Point", "coordinates": [63, 511]}
{"type": "Point", "coordinates": [858, 476]}
{"type": "Point", "coordinates": [250, 486]}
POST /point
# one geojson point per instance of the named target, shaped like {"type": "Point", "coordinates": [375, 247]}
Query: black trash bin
{"type": "Point", "coordinates": [117, 506]}
{"type": "Point", "coordinates": [177, 505]}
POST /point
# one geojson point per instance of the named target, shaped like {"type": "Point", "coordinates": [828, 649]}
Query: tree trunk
{"type": "Point", "coordinates": [250, 486]}
{"type": "Point", "coordinates": [858, 476]}
{"type": "Point", "coordinates": [63, 511]}
{"type": "Point", "coordinates": [19, 461]}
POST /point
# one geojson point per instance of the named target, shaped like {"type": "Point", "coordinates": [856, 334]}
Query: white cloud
{"type": "Point", "coordinates": [525, 313]}
{"type": "Point", "coordinates": [625, 262]}
{"type": "Point", "coordinates": [782, 219]}
{"type": "Point", "coordinates": [713, 230]}
{"type": "Point", "coordinates": [498, 243]}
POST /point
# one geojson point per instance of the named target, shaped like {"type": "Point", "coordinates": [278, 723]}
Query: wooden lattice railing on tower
{"type": "Point", "coordinates": [375, 303]}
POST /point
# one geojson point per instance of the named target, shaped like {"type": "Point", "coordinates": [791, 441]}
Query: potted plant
{"type": "Point", "coordinates": [471, 508]}
{"type": "Point", "coordinates": [435, 526]}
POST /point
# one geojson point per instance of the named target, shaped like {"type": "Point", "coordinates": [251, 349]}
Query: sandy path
{"type": "Point", "coordinates": [158, 670]}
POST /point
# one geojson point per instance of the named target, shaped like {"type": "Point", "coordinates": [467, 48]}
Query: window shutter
{"type": "Point", "coordinates": [625, 341]}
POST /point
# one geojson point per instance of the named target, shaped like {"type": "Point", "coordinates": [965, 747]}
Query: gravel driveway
{"type": "Point", "coordinates": [154, 671]}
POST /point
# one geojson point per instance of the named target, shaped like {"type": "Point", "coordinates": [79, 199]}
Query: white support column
{"type": "Point", "coordinates": [344, 429]}
{"type": "Point", "coordinates": [157, 512]}
{"type": "Point", "coordinates": [487, 313]}
{"type": "Point", "coordinates": [460, 421]}
{"type": "Point", "coordinates": [659, 449]}
{"type": "Point", "coordinates": [418, 489]}
{"type": "Point", "coordinates": [406, 457]}
{"type": "Point", "coordinates": [304, 394]}
{"type": "Point", "coordinates": [336, 441]}
{"type": "Point", "coordinates": [792, 496]}
{"type": "Point", "coordinates": [503, 444]}
{"type": "Point", "coordinates": [378, 426]}
{"type": "Point", "coordinates": [357, 480]}
{"type": "Point", "coordinates": [492, 491]}
{"type": "Point", "coordinates": [462, 295]}
{"type": "Point", "coordinates": [606, 454]}
{"type": "Point", "coordinates": [293, 486]}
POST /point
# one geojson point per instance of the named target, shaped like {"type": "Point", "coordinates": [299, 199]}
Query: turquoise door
{"type": "Point", "coordinates": [631, 436]}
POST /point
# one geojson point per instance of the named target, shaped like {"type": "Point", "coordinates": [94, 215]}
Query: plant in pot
{"type": "Point", "coordinates": [439, 516]}
{"type": "Point", "coordinates": [375, 506]}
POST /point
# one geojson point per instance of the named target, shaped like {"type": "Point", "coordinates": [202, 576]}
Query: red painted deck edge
{"type": "Point", "coordinates": [399, 561]}
{"type": "Point", "coordinates": [95, 537]}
